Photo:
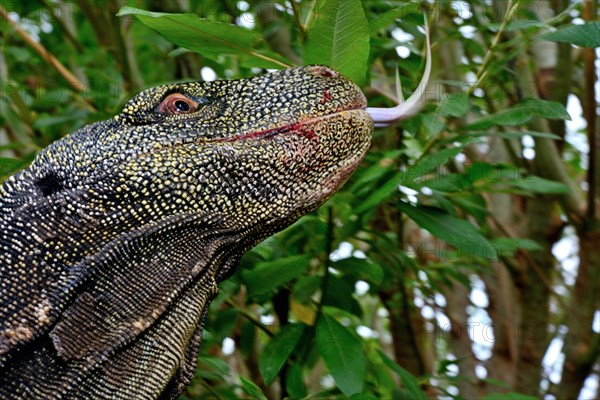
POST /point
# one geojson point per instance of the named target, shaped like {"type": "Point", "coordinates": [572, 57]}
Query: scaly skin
{"type": "Point", "coordinates": [113, 241]}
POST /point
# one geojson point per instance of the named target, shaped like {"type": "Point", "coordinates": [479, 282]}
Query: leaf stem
{"type": "Point", "coordinates": [250, 318]}
{"type": "Point", "coordinates": [482, 70]}
{"type": "Point", "coordinates": [327, 263]}
{"type": "Point", "coordinates": [297, 15]}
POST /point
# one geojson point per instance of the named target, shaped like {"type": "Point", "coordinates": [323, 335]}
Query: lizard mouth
{"type": "Point", "coordinates": [300, 128]}
{"type": "Point", "coordinates": [296, 128]}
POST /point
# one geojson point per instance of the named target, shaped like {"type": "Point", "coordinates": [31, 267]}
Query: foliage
{"type": "Point", "coordinates": [369, 296]}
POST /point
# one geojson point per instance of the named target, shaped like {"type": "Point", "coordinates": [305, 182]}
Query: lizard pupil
{"type": "Point", "coordinates": [182, 106]}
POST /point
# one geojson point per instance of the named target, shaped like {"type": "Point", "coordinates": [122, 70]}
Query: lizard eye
{"type": "Point", "coordinates": [177, 103]}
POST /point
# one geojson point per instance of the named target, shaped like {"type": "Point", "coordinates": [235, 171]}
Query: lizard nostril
{"type": "Point", "coordinates": [49, 184]}
{"type": "Point", "coordinates": [320, 70]}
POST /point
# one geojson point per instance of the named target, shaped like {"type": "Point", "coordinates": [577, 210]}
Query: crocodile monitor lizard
{"type": "Point", "coordinates": [113, 241]}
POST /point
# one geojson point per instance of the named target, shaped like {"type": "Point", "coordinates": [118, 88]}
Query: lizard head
{"type": "Point", "coordinates": [262, 150]}
{"type": "Point", "coordinates": [247, 153]}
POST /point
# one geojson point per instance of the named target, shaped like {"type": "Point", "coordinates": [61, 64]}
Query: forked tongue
{"type": "Point", "coordinates": [408, 108]}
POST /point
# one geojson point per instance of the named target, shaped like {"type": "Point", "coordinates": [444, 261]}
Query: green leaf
{"type": "Point", "coordinates": [268, 275]}
{"type": "Point", "coordinates": [294, 382]}
{"type": "Point", "coordinates": [386, 162]}
{"type": "Point", "coordinates": [360, 268]}
{"type": "Point", "coordinates": [338, 36]}
{"type": "Point", "coordinates": [339, 293]}
{"type": "Point", "coordinates": [521, 25]}
{"type": "Point", "coordinates": [432, 161]}
{"type": "Point", "coordinates": [454, 105]}
{"type": "Point", "coordinates": [544, 108]}
{"type": "Point", "coordinates": [535, 184]}
{"type": "Point", "coordinates": [382, 193]}
{"type": "Point", "coordinates": [343, 355]}
{"type": "Point", "coordinates": [361, 396]}
{"type": "Point", "coordinates": [516, 134]}
{"type": "Point", "coordinates": [508, 396]}
{"type": "Point", "coordinates": [212, 368]}
{"type": "Point", "coordinates": [432, 124]}
{"type": "Point", "coordinates": [251, 388]}
{"type": "Point", "coordinates": [503, 175]}
{"type": "Point", "coordinates": [444, 183]}
{"type": "Point", "coordinates": [490, 173]}
{"type": "Point", "coordinates": [496, 382]}
{"type": "Point", "coordinates": [408, 380]}
{"type": "Point", "coordinates": [388, 18]}
{"type": "Point", "coordinates": [585, 35]}
{"type": "Point", "coordinates": [522, 113]}
{"type": "Point", "coordinates": [386, 383]}
{"type": "Point", "coordinates": [455, 231]}
{"type": "Point", "coordinates": [305, 287]}
{"type": "Point", "coordinates": [247, 339]}
{"type": "Point", "coordinates": [9, 166]}
{"type": "Point", "coordinates": [11, 117]}
{"type": "Point", "coordinates": [278, 350]}
{"type": "Point", "coordinates": [509, 246]}
{"type": "Point", "coordinates": [210, 39]}
{"type": "Point", "coordinates": [472, 203]}
{"type": "Point", "coordinates": [43, 122]}
{"type": "Point", "coordinates": [422, 167]}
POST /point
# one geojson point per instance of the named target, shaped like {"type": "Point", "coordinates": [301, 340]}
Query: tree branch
{"type": "Point", "coordinates": [589, 111]}
{"type": "Point", "coordinates": [66, 24]}
{"type": "Point", "coordinates": [250, 318]}
{"type": "Point", "coordinates": [548, 162]}
{"type": "Point", "coordinates": [297, 16]}
{"type": "Point", "coordinates": [482, 70]}
{"type": "Point", "coordinates": [581, 345]}
{"type": "Point", "coordinates": [327, 262]}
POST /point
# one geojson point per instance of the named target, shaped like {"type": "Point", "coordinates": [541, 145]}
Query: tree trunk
{"type": "Point", "coordinates": [582, 344]}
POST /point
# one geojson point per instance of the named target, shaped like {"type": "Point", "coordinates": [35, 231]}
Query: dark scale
{"type": "Point", "coordinates": [49, 184]}
{"type": "Point", "coordinates": [113, 241]}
